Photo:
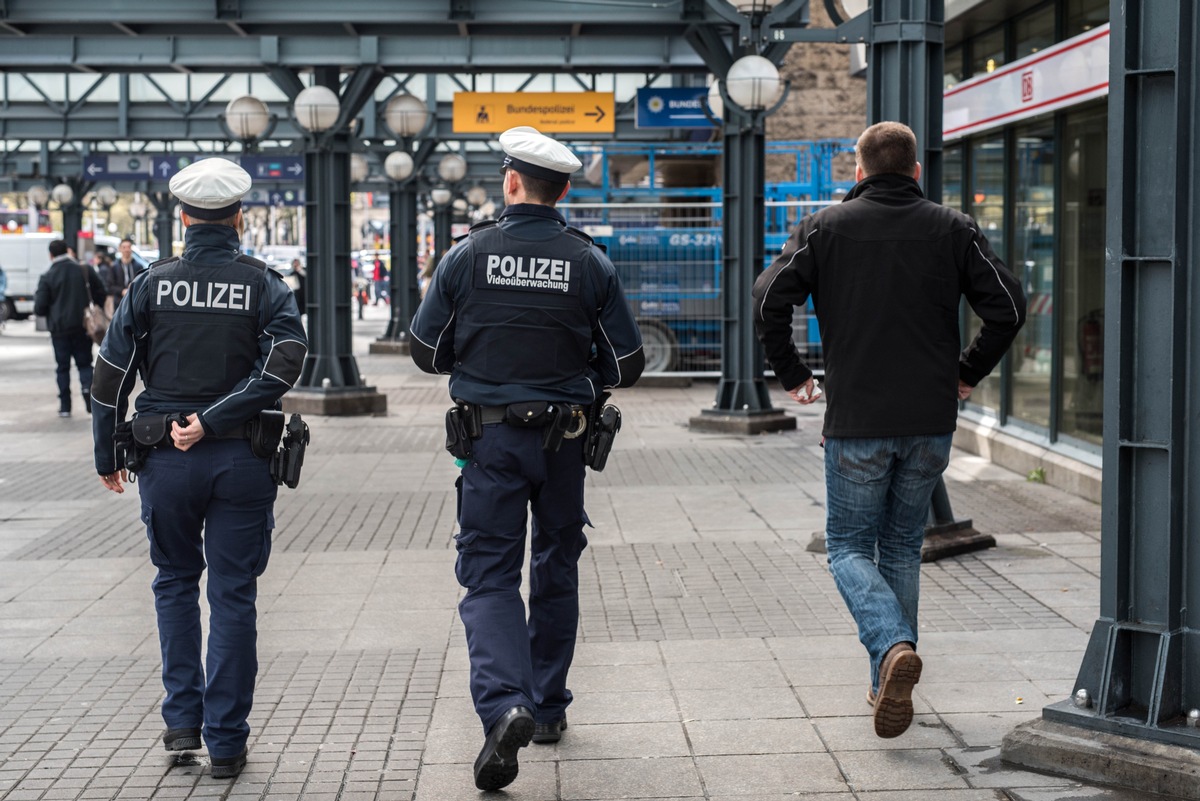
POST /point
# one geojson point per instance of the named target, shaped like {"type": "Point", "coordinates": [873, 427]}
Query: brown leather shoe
{"type": "Point", "coordinates": [899, 672]}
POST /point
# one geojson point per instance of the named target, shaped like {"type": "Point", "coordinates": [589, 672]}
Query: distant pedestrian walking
{"type": "Point", "coordinates": [886, 270]}
{"type": "Point", "coordinates": [63, 292]}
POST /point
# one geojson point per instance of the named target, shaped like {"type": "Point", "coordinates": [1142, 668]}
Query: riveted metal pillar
{"type": "Point", "coordinates": [1141, 672]}
{"type": "Point", "coordinates": [743, 402]}
{"type": "Point", "coordinates": [441, 230]}
{"type": "Point", "coordinates": [164, 221]}
{"type": "Point", "coordinates": [904, 76]}
{"type": "Point", "coordinates": [404, 290]}
{"type": "Point", "coordinates": [330, 364]}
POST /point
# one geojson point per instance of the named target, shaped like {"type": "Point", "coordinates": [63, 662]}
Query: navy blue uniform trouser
{"type": "Point", "coordinates": [221, 489]}
{"type": "Point", "coordinates": [517, 661]}
{"type": "Point", "coordinates": [75, 345]}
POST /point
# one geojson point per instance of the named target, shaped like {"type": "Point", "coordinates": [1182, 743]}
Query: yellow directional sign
{"type": "Point", "coordinates": [549, 112]}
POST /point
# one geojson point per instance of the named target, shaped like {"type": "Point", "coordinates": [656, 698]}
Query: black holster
{"type": "Point", "coordinates": [287, 461]}
{"type": "Point", "coordinates": [134, 439]}
{"type": "Point", "coordinates": [462, 426]}
{"type": "Point", "coordinates": [604, 421]}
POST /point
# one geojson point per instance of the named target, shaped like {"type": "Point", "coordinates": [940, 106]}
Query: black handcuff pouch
{"type": "Point", "coordinates": [151, 430]}
{"type": "Point", "coordinates": [264, 432]}
{"type": "Point", "coordinates": [530, 414]}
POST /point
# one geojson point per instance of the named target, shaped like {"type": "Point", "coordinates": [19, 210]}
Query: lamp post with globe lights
{"type": "Point", "coordinates": [37, 195]}
{"type": "Point", "coordinates": [406, 117]}
{"type": "Point", "coordinates": [451, 169]}
{"type": "Point", "coordinates": [138, 210]}
{"type": "Point", "coordinates": [68, 195]}
{"type": "Point", "coordinates": [748, 91]}
{"type": "Point", "coordinates": [329, 381]}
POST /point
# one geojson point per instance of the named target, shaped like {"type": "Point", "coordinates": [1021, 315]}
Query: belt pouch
{"type": "Point", "coordinates": [458, 438]}
{"type": "Point", "coordinates": [265, 432]}
{"type": "Point", "coordinates": [558, 420]}
{"type": "Point", "coordinates": [532, 414]}
{"type": "Point", "coordinates": [150, 430]}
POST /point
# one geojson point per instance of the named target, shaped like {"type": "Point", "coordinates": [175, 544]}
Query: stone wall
{"type": "Point", "coordinates": [824, 101]}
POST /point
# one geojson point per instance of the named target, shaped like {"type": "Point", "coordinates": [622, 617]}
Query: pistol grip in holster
{"type": "Point", "coordinates": [459, 426]}
{"type": "Point", "coordinates": [602, 432]}
{"type": "Point", "coordinates": [287, 461]}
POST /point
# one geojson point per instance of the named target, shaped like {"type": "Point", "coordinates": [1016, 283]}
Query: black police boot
{"type": "Point", "coordinates": [545, 733]}
{"type": "Point", "coordinates": [87, 401]}
{"type": "Point", "coordinates": [228, 767]}
{"type": "Point", "coordinates": [496, 766]}
{"type": "Point", "coordinates": [181, 739]}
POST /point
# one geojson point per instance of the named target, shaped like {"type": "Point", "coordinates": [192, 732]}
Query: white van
{"type": "Point", "coordinates": [24, 258]}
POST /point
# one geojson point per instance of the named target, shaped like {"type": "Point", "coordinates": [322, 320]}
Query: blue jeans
{"type": "Point", "coordinates": [877, 496]}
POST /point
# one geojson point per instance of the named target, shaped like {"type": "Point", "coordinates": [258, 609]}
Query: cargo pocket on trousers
{"type": "Point", "coordinates": [464, 542]}
{"type": "Point", "coordinates": [261, 566]}
{"type": "Point", "coordinates": [157, 557]}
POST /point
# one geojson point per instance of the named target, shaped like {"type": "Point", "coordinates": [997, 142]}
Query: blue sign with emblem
{"type": "Point", "coordinates": [277, 196]}
{"type": "Point", "coordinates": [275, 168]}
{"type": "Point", "coordinates": [164, 167]}
{"type": "Point", "coordinates": [673, 108]}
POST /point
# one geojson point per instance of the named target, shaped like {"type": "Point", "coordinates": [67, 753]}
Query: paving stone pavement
{"type": "Point", "coordinates": [716, 659]}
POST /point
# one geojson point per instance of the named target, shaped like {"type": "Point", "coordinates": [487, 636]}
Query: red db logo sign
{"type": "Point", "coordinates": [1026, 86]}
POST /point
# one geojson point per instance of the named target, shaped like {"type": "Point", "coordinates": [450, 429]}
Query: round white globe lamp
{"type": "Point", "coordinates": [38, 195]}
{"type": "Point", "coordinates": [753, 83]}
{"type": "Point", "coordinates": [440, 196]}
{"type": "Point", "coordinates": [106, 195]}
{"type": "Point", "coordinates": [359, 168]}
{"type": "Point", "coordinates": [62, 194]}
{"type": "Point", "coordinates": [715, 104]}
{"type": "Point", "coordinates": [316, 108]}
{"type": "Point", "coordinates": [247, 117]}
{"type": "Point", "coordinates": [406, 115]}
{"type": "Point", "coordinates": [452, 168]}
{"type": "Point", "coordinates": [398, 165]}
{"type": "Point", "coordinates": [476, 195]}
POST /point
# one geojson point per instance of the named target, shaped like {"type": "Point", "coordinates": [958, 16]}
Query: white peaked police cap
{"type": "Point", "coordinates": [537, 155]}
{"type": "Point", "coordinates": [211, 189]}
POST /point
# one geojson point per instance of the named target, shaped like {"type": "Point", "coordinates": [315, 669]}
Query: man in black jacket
{"type": "Point", "coordinates": [62, 295]}
{"type": "Point", "coordinates": [886, 269]}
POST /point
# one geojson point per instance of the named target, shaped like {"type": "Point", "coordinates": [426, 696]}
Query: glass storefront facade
{"type": "Point", "coordinates": [1036, 189]}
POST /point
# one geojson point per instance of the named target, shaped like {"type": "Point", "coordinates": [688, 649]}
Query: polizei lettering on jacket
{"type": "Point", "coordinates": [542, 274]}
{"type": "Point", "coordinates": [202, 295]}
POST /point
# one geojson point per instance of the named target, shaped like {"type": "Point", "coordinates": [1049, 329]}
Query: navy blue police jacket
{"type": "Point", "coordinates": [211, 333]}
{"type": "Point", "coordinates": [525, 308]}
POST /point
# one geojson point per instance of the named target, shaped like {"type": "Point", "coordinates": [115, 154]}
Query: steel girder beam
{"type": "Point", "coordinates": [1140, 675]}
{"type": "Point", "coordinates": [160, 122]}
{"type": "Point", "coordinates": [633, 50]}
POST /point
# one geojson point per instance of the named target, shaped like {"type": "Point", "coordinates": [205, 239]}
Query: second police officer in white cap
{"type": "Point", "coordinates": [528, 318]}
{"type": "Point", "coordinates": [217, 338]}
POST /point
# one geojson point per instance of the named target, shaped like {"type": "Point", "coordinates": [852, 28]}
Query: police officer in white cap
{"type": "Point", "coordinates": [217, 339]}
{"type": "Point", "coordinates": [527, 316]}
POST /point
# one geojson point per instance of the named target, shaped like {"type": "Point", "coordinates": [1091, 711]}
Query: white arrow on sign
{"type": "Point", "coordinates": [93, 169]}
{"type": "Point", "coordinates": [164, 168]}
{"type": "Point", "coordinates": [295, 169]}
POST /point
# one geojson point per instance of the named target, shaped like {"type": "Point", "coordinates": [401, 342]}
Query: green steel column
{"type": "Point", "coordinates": [330, 365]}
{"type": "Point", "coordinates": [404, 289]}
{"type": "Point", "coordinates": [1141, 672]}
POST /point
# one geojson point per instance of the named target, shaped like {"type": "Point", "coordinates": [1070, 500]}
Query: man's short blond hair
{"type": "Point", "coordinates": [887, 147]}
